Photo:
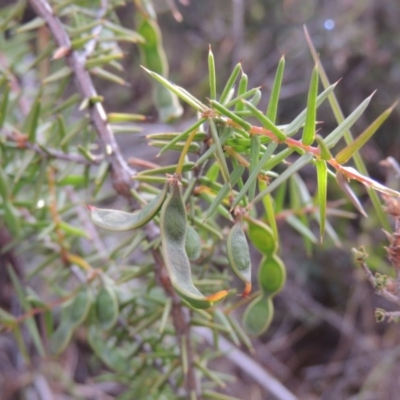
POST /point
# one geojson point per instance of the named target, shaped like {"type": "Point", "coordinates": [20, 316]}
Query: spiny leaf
{"type": "Point", "coordinates": [265, 121]}
{"type": "Point", "coordinates": [211, 75]}
{"type": "Point", "coordinates": [229, 84]}
{"type": "Point", "coordinates": [344, 126]}
{"type": "Point", "coordinates": [349, 151]}
{"type": "Point", "coordinates": [311, 116]}
{"type": "Point", "coordinates": [275, 92]}
{"type": "Point", "coordinates": [298, 164]}
{"type": "Point", "coordinates": [183, 95]}
{"type": "Point", "coordinates": [254, 174]}
{"type": "Point", "coordinates": [322, 176]}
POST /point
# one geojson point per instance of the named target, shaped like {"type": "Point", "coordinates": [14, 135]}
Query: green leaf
{"type": "Point", "coordinates": [298, 164]}
{"type": "Point", "coordinates": [183, 95]}
{"type": "Point", "coordinates": [4, 104]}
{"type": "Point", "coordinates": [347, 135]}
{"type": "Point", "coordinates": [337, 134]}
{"type": "Point", "coordinates": [300, 227]}
{"type": "Point", "coordinates": [275, 92]}
{"type": "Point", "coordinates": [32, 120]}
{"type": "Point", "coordinates": [241, 89]}
{"type": "Point", "coordinates": [322, 177]}
{"type": "Point", "coordinates": [265, 121]}
{"type": "Point", "coordinates": [219, 153]}
{"type": "Point", "coordinates": [254, 157]}
{"type": "Point", "coordinates": [230, 114]}
{"type": "Point", "coordinates": [211, 75]}
{"type": "Point", "coordinates": [343, 184]}
{"type": "Point", "coordinates": [182, 136]}
{"type": "Point", "coordinates": [222, 140]}
{"type": "Point", "coordinates": [324, 151]}
{"type": "Point", "coordinates": [296, 124]}
{"type": "Point", "coordinates": [311, 116]}
{"type": "Point", "coordinates": [349, 151]}
{"type": "Point", "coordinates": [254, 175]}
{"type": "Point", "coordinates": [229, 84]}
{"type": "Point", "coordinates": [30, 322]}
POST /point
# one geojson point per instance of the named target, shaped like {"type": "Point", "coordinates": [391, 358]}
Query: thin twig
{"type": "Point", "coordinates": [180, 320]}
{"type": "Point", "coordinates": [381, 292]}
{"type": "Point", "coordinates": [51, 153]}
{"type": "Point", "coordinates": [121, 172]}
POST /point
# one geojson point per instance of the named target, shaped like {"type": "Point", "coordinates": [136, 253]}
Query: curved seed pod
{"type": "Point", "coordinates": [80, 307]}
{"type": "Point", "coordinates": [115, 220]}
{"type": "Point", "coordinates": [192, 243]}
{"type": "Point", "coordinates": [173, 233]}
{"type": "Point", "coordinates": [262, 237]}
{"type": "Point", "coordinates": [107, 308]}
{"type": "Point", "coordinates": [271, 275]}
{"type": "Point", "coordinates": [238, 254]}
{"type": "Point", "coordinates": [258, 315]}
{"type": "Point", "coordinates": [61, 337]}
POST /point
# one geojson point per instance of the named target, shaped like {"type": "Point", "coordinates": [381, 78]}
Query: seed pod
{"type": "Point", "coordinates": [61, 337]}
{"type": "Point", "coordinates": [107, 308]}
{"type": "Point", "coordinates": [116, 220]}
{"type": "Point", "coordinates": [192, 243]}
{"type": "Point", "coordinates": [261, 236]}
{"type": "Point", "coordinates": [80, 307]}
{"type": "Point", "coordinates": [271, 275]}
{"type": "Point", "coordinates": [238, 254]}
{"type": "Point", "coordinates": [173, 234]}
{"type": "Point", "coordinates": [258, 315]}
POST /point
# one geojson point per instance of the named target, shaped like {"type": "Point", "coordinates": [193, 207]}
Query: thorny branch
{"type": "Point", "coordinates": [121, 172]}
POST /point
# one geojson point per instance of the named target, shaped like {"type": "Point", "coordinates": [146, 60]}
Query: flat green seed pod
{"type": "Point", "coordinates": [271, 275]}
{"type": "Point", "coordinates": [173, 227]}
{"type": "Point", "coordinates": [80, 307]}
{"type": "Point", "coordinates": [258, 315]}
{"type": "Point", "coordinates": [107, 309]}
{"type": "Point", "coordinates": [238, 254]}
{"type": "Point", "coordinates": [192, 243]}
{"type": "Point", "coordinates": [61, 337]}
{"type": "Point", "coordinates": [119, 221]}
{"type": "Point", "coordinates": [262, 237]}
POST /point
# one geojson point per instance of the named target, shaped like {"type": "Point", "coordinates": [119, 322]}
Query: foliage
{"type": "Point", "coordinates": [139, 296]}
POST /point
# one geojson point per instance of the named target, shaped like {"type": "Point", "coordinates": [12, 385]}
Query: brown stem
{"type": "Point", "coordinates": [121, 172]}
{"type": "Point", "coordinates": [180, 320]}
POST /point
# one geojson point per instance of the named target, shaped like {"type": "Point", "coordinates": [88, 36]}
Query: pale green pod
{"type": "Point", "coordinates": [271, 275]}
{"type": "Point", "coordinates": [258, 315]}
{"type": "Point", "coordinates": [61, 337]}
{"type": "Point", "coordinates": [107, 309]}
{"type": "Point", "coordinates": [115, 220]}
{"type": "Point", "coordinates": [80, 307]}
{"type": "Point", "coordinates": [238, 253]}
{"type": "Point", "coordinates": [262, 237]}
{"type": "Point", "coordinates": [173, 234]}
{"type": "Point", "coordinates": [192, 243]}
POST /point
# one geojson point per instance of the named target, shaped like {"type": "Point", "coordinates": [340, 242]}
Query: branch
{"type": "Point", "coordinates": [181, 323]}
{"type": "Point", "coordinates": [121, 172]}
